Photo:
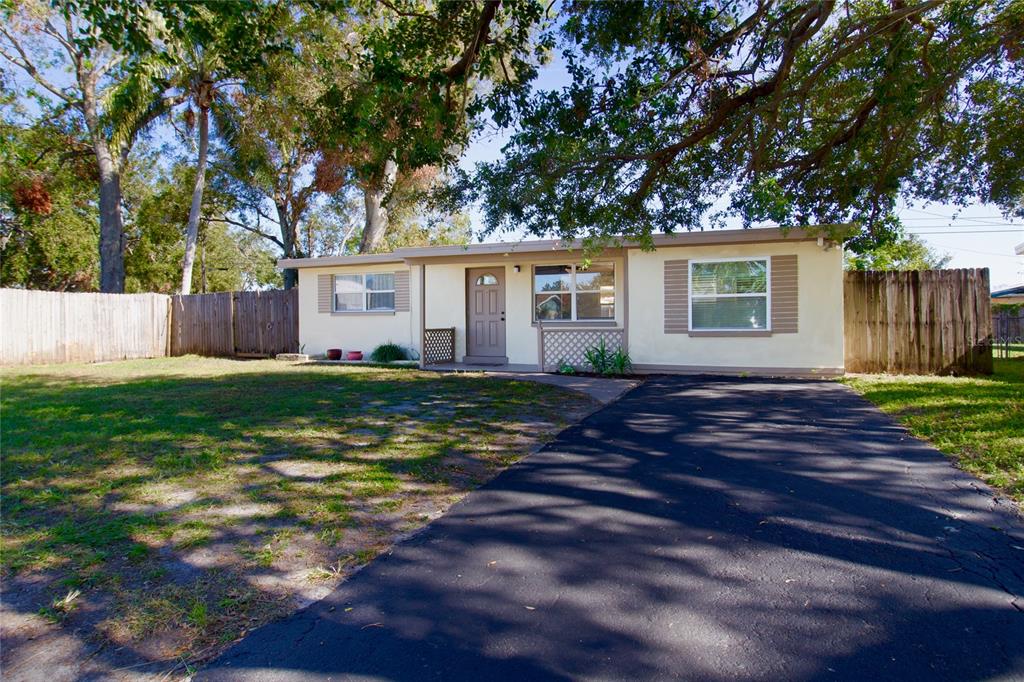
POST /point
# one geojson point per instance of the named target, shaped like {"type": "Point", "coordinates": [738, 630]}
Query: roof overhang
{"type": "Point", "coordinates": [1011, 291]}
{"type": "Point", "coordinates": [553, 248]}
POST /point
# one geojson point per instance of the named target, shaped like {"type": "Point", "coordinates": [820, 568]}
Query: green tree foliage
{"type": "Point", "coordinates": [906, 252]}
{"type": "Point", "coordinates": [48, 222]}
{"type": "Point", "coordinates": [158, 212]}
{"type": "Point", "coordinates": [682, 113]}
{"type": "Point", "coordinates": [410, 81]}
{"type": "Point", "coordinates": [41, 42]}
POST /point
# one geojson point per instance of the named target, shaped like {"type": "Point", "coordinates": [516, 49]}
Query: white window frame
{"type": "Point", "coordinates": [572, 293]}
{"type": "Point", "coordinates": [366, 293]}
{"type": "Point", "coordinates": [767, 295]}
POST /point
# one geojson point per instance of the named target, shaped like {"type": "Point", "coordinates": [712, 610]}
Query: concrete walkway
{"type": "Point", "coordinates": [699, 528]}
{"type": "Point", "coordinates": [602, 389]}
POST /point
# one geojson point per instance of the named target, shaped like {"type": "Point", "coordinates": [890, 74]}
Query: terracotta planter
{"type": "Point", "coordinates": [334, 354]}
{"type": "Point", "coordinates": [355, 355]}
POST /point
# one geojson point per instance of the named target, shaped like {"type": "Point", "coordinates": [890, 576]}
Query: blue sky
{"type": "Point", "coordinates": [976, 236]}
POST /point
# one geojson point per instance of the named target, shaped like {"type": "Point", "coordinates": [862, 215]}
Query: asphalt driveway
{"type": "Point", "coordinates": [699, 528]}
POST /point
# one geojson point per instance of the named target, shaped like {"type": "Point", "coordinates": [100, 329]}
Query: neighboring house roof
{"type": "Point", "coordinates": [1012, 291]}
{"type": "Point", "coordinates": [506, 249]}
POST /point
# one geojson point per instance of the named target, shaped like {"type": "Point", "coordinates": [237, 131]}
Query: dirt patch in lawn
{"type": "Point", "coordinates": [155, 511]}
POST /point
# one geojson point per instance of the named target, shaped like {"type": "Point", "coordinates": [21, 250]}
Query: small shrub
{"type": "Point", "coordinates": [605, 361]}
{"type": "Point", "coordinates": [566, 368]}
{"type": "Point", "coordinates": [621, 362]}
{"type": "Point", "coordinates": [388, 352]}
{"type": "Point", "coordinates": [599, 357]}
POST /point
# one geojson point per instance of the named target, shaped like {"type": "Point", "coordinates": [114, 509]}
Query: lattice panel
{"type": "Point", "coordinates": [439, 346]}
{"type": "Point", "coordinates": [569, 345]}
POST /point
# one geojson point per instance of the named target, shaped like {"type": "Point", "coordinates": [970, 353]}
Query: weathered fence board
{"type": "Point", "coordinates": [201, 324]}
{"type": "Point", "coordinates": [235, 323]}
{"type": "Point", "coordinates": [266, 322]}
{"type": "Point", "coordinates": [923, 322]}
{"type": "Point", "coordinates": [50, 326]}
{"type": "Point", "coordinates": [41, 327]}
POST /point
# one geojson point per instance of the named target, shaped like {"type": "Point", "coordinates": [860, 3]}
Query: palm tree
{"type": "Point", "coordinates": [200, 76]}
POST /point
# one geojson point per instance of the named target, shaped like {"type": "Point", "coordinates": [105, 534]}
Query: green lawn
{"type": "Point", "coordinates": [183, 501]}
{"type": "Point", "coordinates": [978, 421]}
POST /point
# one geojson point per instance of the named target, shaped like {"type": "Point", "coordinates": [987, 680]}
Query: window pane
{"type": "Point", "coordinates": [381, 281]}
{"type": "Point", "coordinates": [348, 284]}
{"type": "Point", "coordinates": [734, 277]}
{"type": "Point", "coordinates": [593, 305]}
{"type": "Point", "coordinates": [348, 292]}
{"type": "Point", "coordinates": [551, 278]}
{"type": "Point", "coordinates": [598, 277]}
{"type": "Point", "coordinates": [731, 313]}
{"type": "Point", "coordinates": [348, 301]}
{"type": "Point", "coordinates": [384, 301]}
{"type": "Point", "coordinates": [553, 306]}
{"type": "Point", "coordinates": [595, 292]}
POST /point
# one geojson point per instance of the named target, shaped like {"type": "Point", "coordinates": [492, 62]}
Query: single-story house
{"type": "Point", "coordinates": [755, 300]}
{"type": "Point", "coordinates": [1008, 296]}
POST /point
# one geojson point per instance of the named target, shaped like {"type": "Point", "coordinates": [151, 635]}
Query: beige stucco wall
{"type": "Point", "coordinates": [817, 345]}
{"type": "Point", "coordinates": [446, 303]}
{"type": "Point", "coordinates": [355, 331]}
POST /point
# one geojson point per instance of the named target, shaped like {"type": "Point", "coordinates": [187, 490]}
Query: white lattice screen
{"type": "Point", "coordinates": [569, 345]}
{"type": "Point", "coordinates": [438, 345]}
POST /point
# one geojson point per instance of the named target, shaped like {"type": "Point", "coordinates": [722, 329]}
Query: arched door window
{"type": "Point", "coordinates": [486, 280]}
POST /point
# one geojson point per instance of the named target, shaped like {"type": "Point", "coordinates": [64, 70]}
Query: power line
{"type": "Point", "coordinates": [983, 253]}
{"type": "Point", "coordinates": [953, 219]}
{"type": "Point", "coordinates": [966, 231]}
{"type": "Point", "coordinates": [942, 215]}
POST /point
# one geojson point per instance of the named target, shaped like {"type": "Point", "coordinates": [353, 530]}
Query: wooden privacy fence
{"type": "Point", "coordinates": [40, 327]}
{"type": "Point", "coordinates": [244, 323]}
{"type": "Point", "coordinates": [924, 322]}
{"type": "Point", "coordinates": [50, 326]}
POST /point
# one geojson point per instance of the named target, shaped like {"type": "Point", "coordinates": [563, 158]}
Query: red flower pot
{"type": "Point", "coordinates": [334, 354]}
{"type": "Point", "coordinates": [355, 355]}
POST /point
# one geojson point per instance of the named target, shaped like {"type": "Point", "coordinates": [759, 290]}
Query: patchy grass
{"type": "Point", "coordinates": [979, 421]}
{"type": "Point", "coordinates": [171, 505]}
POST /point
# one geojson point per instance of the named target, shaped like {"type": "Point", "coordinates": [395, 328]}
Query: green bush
{"type": "Point", "coordinates": [621, 362]}
{"type": "Point", "coordinates": [566, 368]}
{"type": "Point", "coordinates": [605, 361]}
{"type": "Point", "coordinates": [388, 352]}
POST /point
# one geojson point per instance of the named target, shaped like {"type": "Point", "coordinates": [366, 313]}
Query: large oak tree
{"type": "Point", "coordinates": [680, 113]}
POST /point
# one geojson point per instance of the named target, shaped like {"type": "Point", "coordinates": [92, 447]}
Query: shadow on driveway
{"type": "Point", "coordinates": [699, 528]}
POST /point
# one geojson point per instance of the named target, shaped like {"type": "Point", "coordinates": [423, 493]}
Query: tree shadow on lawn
{"type": "Point", "coordinates": [978, 420]}
{"type": "Point", "coordinates": [699, 529]}
{"type": "Point", "coordinates": [187, 510]}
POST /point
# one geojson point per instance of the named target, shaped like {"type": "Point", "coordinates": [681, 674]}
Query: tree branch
{"type": "Point", "coordinates": [25, 64]}
{"type": "Point", "coordinates": [459, 69]}
{"type": "Point", "coordinates": [250, 228]}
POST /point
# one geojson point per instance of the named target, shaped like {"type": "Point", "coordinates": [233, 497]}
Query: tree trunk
{"type": "Point", "coordinates": [111, 225]}
{"type": "Point", "coordinates": [290, 240]}
{"type": "Point", "coordinates": [376, 225]}
{"type": "Point", "coordinates": [192, 232]}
